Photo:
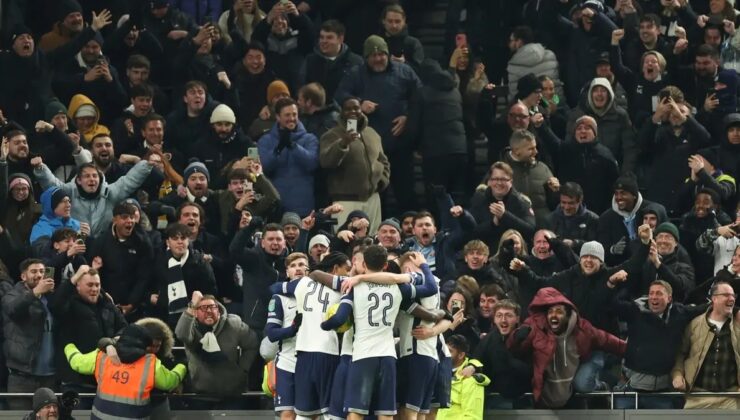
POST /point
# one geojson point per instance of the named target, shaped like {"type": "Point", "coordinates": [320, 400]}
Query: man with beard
{"type": "Point", "coordinates": [439, 248]}
{"type": "Point", "coordinates": [84, 317]}
{"type": "Point", "coordinates": [16, 154]}
{"type": "Point", "coordinates": [655, 326]}
{"type": "Point", "coordinates": [220, 348]}
{"type": "Point", "coordinates": [28, 328]}
{"type": "Point", "coordinates": [225, 142]}
{"type": "Point", "coordinates": [716, 370]}
{"type": "Point", "coordinates": [124, 255]}
{"type": "Point", "coordinates": [289, 156]}
{"type": "Point", "coordinates": [618, 225]}
{"type": "Point", "coordinates": [571, 220]}
{"type": "Point", "coordinates": [178, 272]}
{"type": "Point", "coordinates": [93, 196]}
{"type": "Point", "coordinates": [590, 284]}
{"type": "Point", "coordinates": [263, 264]}
{"type": "Point", "coordinates": [560, 342]}
{"type": "Point", "coordinates": [512, 376]}
{"type": "Point", "coordinates": [69, 24]}
{"type": "Point", "coordinates": [104, 158]}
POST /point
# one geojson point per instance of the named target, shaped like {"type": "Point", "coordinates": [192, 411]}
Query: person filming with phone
{"type": "Point", "coordinates": [356, 167]}
{"type": "Point", "coordinates": [28, 327]}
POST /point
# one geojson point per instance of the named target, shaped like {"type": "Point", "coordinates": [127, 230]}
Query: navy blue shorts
{"type": "Point", "coordinates": [284, 390]}
{"type": "Point", "coordinates": [336, 405]}
{"type": "Point", "coordinates": [372, 386]}
{"type": "Point", "coordinates": [417, 378]}
{"type": "Point", "coordinates": [314, 374]}
{"type": "Point", "coordinates": [441, 396]}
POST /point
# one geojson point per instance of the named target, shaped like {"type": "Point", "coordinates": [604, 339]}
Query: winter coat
{"type": "Point", "coordinates": [196, 273]}
{"type": "Point", "coordinates": [322, 120]}
{"type": "Point", "coordinates": [127, 269]}
{"type": "Point", "coordinates": [83, 324]}
{"type": "Point", "coordinates": [216, 153]}
{"type": "Point", "coordinates": [589, 293]}
{"type": "Point", "coordinates": [519, 215]}
{"type": "Point", "coordinates": [580, 228]}
{"type": "Point", "coordinates": [696, 343]}
{"type": "Point", "coordinates": [653, 339]}
{"type": "Point", "coordinates": [406, 46]}
{"type": "Point", "coordinates": [391, 89]}
{"type": "Point", "coordinates": [251, 89]}
{"type": "Point", "coordinates": [24, 318]}
{"type": "Point", "coordinates": [436, 115]}
{"type": "Point", "coordinates": [238, 343]}
{"type": "Point", "coordinates": [286, 54]}
{"type": "Point", "coordinates": [16, 217]}
{"type": "Point", "coordinates": [201, 11]}
{"type": "Point", "coordinates": [49, 222]}
{"type": "Point", "coordinates": [511, 376]}
{"type": "Point", "coordinates": [532, 58]}
{"type": "Point", "coordinates": [530, 179]}
{"type": "Point", "coordinates": [75, 103]}
{"type": "Point", "coordinates": [97, 210]}
{"type": "Point", "coordinates": [679, 274]}
{"type": "Point", "coordinates": [541, 340]}
{"type": "Point", "coordinates": [614, 126]}
{"type": "Point", "coordinates": [357, 171]}
{"type": "Point", "coordinates": [663, 152]}
{"type": "Point", "coordinates": [329, 72]}
{"type": "Point", "coordinates": [260, 271]}
{"type": "Point", "coordinates": [291, 169]}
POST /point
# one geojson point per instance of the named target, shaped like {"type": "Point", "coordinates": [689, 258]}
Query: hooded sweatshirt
{"type": "Point", "coordinates": [50, 222]}
{"type": "Point", "coordinates": [560, 373]}
{"type": "Point", "coordinates": [75, 104]}
{"type": "Point", "coordinates": [628, 218]}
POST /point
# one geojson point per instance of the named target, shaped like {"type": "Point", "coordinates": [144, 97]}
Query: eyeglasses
{"type": "Point", "coordinates": [726, 295]}
{"type": "Point", "coordinates": [500, 179]}
{"type": "Point", "coordinates": [206, 308]}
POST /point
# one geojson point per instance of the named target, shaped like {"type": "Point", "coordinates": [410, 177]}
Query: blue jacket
{"type": "Point", "coordinates": [390, 89]}
{"type": "Point", "coordinates": [292, 169]}
{"type": "Point", "coordinates": [49, 222]}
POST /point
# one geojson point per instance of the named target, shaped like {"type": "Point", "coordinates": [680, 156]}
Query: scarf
{"type": "Point", "coordinates": [207, 347]}
{"type": "Point", "coordinates": [177, 294]}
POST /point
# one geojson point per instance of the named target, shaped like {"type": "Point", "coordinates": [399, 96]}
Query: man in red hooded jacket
{"type": "Point", "coordinates": [562, 346]}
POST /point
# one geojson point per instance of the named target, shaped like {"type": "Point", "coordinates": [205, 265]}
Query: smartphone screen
{"type": "Point", "coordinates": [352, 125]}
{"type": "Point", "coordinates": [253, 153]}
{"type": "Point", "coordinates": [48, 272]}
{"type": "Point", "coordinates": [461, 40]}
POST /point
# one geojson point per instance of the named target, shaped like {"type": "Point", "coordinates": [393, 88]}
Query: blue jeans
{"type": "Point", "coordinates": [587, 375]}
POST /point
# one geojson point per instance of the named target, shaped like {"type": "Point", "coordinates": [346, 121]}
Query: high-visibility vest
{"type": "Point", "coordinates": [124, 390]}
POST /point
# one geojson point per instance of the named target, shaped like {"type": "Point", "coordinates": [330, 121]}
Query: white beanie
{"type": "Point", "coordinates": [223, 113]}
{"type": "Point", "coordinates": [86, 110]}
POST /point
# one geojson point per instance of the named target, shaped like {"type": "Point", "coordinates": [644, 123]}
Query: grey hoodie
{"type": "Point", "coordinates": [558, 386]}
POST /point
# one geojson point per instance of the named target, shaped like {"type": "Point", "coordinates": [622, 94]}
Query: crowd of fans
{"type": "Point", "coordinates": [163, 162]}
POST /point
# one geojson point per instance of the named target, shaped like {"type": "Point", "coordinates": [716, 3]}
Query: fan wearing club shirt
{"type": "Point", "coordinates": [555, 328]}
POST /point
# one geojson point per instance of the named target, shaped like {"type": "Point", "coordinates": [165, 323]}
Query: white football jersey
{"type": "Point", "coordinates": [285, 359]}
{"type": "Point", "coordinates": [406, 322]}
{"type": "Point", "coordinates": [347, 340]}
{"type": "Point", "coordinates": [375, 307]}
{"type": "Point", "coordinates": [313, 301]}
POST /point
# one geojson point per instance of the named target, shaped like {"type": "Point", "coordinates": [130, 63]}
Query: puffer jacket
{"type": "Point", "coordinates": [291, 169]}
{"type": "Point", "coordinates": [238, 343]}
{"type": "Point", "coordinates": [96, 210]}
{"type": "Point", "coordinates": [530, 179]}
{"type": "Point", "coordinates": [357, 171]}
{"type": "Point", "coordinates": [696, 343]}
{"type": "Point", "coordinates": [23, 325]}
{"type": "Point", "coordinates": [614, 126]}
{"type": "Point", "coordinates": [533, 58]}
{"type": "Point", "coordinates": [541, 341]}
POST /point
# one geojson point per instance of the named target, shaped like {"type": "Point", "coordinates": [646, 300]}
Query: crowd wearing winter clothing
{"type": "Point", "coordinates": [162, 160]}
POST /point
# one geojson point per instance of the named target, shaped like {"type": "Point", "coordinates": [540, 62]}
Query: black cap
{"type": "Point", "coordinates": [603, 58]}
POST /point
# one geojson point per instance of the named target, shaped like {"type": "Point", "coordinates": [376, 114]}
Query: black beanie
{"type": "Point", "coordinates": [57, 197]}
{"type": "Point", "coordinates": [627, 182]}
{"type": "Point", "coordinates": [66, 7]}
{"type": "Point", "coordinates": [710, 155]}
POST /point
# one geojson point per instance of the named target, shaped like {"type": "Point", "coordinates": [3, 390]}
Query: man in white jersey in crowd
{"type": "Point", "coordinates": [317, 350]}
{"type": "Point", "coordinates": [372, 374]}
{"type": "Point", "coordinates": [282, 325]}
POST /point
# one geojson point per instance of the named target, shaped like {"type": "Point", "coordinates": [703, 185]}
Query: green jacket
{"type": "Point", "coordinates": [466, 396]}
{"type": "Point", "coordinates": [84, 364]}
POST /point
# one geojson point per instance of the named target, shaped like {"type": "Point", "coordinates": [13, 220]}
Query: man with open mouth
{"type": "Point", "coordinates": [561, 344]}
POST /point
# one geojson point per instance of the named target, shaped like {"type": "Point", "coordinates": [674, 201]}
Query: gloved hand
{"type": "Point", "coordinates": [297, 321]}
{"type": "Point", "coordinates": [522, 333]}
{"type": "Point", "coordinates": [619, 247]}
